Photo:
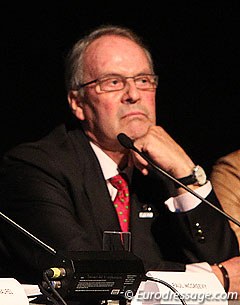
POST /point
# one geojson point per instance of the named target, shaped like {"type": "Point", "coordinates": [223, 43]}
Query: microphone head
{"type": "Point", "coordinates": [125, 141]}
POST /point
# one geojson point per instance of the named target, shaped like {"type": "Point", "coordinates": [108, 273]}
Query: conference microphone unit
{"type": "Point", "coordinates": [86, 275]}
{"type": "Point", "coordinates": [126, 142]}
{"type": "Point", "coordinates": [95, 275]}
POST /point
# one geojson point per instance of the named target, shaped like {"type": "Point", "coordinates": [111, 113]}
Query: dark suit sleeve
{"type": "Point", "coordinates": [199, 235]}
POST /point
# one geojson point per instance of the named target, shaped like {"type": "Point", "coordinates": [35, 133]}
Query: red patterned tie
{"type": "Point", "coordinates": [121, 201]}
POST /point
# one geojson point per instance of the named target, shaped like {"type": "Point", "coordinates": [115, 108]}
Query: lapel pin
{"type": "Point", "coordinates": [146, 212]}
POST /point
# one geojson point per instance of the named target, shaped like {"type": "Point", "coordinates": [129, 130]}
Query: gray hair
{"type": "Point", "coordinates": [74, 68]}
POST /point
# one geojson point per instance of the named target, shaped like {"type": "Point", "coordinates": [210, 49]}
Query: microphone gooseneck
{"type": "Point", "coordinates": [126, 142]}
{"type": "Point", "coordinates": [28, 234]}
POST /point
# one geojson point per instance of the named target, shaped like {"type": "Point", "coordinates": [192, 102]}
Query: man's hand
{"type": "Point", "coordinates": [164, 151]}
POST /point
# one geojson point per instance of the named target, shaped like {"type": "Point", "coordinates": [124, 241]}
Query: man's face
{"type": "Point", "coordinates": [130, 110]}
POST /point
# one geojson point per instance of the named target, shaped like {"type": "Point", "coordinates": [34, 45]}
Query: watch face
{"type": "Point", "coordinates": [200, 175]}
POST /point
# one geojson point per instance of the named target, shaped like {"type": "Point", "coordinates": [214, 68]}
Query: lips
{"type": "Point", "coordinates": [133, 113]}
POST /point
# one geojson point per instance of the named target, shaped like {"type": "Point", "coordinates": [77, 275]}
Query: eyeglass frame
{"type": "Point", "coordinates": [124, 78]}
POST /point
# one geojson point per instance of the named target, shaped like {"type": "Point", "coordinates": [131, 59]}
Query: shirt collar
{"type": "Point", "coordinates": [108, 166]}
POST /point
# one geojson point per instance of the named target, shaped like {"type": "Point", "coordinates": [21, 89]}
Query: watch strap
{"type": "Point", "coordinates": [198, 177]}
{"type": "Point", "coordinates": [191, 179]}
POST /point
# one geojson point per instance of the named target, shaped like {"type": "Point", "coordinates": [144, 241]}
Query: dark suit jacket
{"type": "Point", "coordinates": [55, 189]}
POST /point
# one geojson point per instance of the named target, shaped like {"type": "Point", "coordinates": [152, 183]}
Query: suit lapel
{"type": "Point", "coordinates": [97, 192]}
{"type": "Point", "coordinates": [95, 186]}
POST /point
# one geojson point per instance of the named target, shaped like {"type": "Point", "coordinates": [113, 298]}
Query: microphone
{"type": "Point", "coordinates": [126, 142]}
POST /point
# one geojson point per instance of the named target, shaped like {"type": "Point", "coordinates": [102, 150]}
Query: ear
{"type": "Point", "coordinates": [76, 104]}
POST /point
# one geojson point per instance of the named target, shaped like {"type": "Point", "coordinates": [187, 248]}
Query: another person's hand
{"type": "Point", "coordinates": [233, 268]}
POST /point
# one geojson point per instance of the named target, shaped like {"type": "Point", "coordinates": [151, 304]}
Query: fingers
{"type": "Point", "coordinates": [139, 162]}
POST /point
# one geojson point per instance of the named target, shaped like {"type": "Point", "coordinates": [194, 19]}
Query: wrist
{"type": "Point", "coordinates": [223, 276]}
{"type": "Point", "coordinates": [196, 178]}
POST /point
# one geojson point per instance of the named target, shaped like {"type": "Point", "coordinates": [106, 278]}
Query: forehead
{"type": "Point", "coordinates": [112, 53]}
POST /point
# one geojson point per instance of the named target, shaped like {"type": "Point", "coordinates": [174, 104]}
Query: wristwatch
{"type": "Point", "coordinates": [198, 177]}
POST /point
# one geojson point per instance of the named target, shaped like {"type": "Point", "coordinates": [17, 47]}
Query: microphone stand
{"type": "Point", "coordinates": [126, 142]}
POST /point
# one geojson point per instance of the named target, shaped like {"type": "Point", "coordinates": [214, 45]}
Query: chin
{"type": "Point", "coordinates": [137, 128]}
{"type": "Point", "coordinates": [137, 132]}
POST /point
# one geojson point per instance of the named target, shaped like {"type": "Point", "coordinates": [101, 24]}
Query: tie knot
{"type": "Point", "coordinates": [119, 181]}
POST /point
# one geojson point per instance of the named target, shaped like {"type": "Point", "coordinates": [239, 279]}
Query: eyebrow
{"type": "Point", "coordinates": [120, 75]}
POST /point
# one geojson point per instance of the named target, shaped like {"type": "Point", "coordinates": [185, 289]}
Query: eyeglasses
{"type": "Point", "coordinates": [117, 82]}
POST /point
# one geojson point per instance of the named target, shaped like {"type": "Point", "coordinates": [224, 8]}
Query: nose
{"type": "Point", "coordinates": [131, 94]}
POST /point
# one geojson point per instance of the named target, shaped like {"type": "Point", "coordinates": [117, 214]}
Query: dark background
{"type": "Point", "coordinates": [196, 52]}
